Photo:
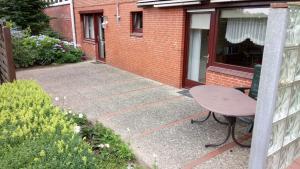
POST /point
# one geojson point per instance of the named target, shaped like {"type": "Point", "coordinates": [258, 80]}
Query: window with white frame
{"type": "Point", "coordinates": [88, 26]}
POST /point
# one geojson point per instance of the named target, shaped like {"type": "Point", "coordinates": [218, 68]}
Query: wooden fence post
{"type": "Point", "coordinates": [7, 66]}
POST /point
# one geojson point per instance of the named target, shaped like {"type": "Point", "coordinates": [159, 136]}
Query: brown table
{"type": "Point", "coordinates": [229, 102]}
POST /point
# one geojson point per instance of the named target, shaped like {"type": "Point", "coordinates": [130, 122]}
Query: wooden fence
{"type": "Point", "coordinates": [7, 66]}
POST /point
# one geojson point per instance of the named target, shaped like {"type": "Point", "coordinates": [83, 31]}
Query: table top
{"type": "Point", "coordinates": [224, 100]}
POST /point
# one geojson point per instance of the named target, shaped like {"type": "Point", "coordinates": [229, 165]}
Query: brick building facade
{"type": "Point", "coordinates": [162, 50]}
{"type": "Point", "coordinates": [61, 20]}
{"type": "Point", "coordinates": [158, 53]}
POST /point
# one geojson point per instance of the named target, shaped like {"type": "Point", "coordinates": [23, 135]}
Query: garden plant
{"type": "Point", "coordinates": [36, 134]}
{"type": "Point", "coordinates": [43, 50]}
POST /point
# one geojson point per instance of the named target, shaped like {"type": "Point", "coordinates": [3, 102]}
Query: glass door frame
{"type": "Point", "coordinates": [211, 40]}
{"type": "Point", "coordinates": [97, 17]}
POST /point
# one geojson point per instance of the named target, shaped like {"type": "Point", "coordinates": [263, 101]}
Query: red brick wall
{"type": "Point", "coordinates": [61, 20]}
{"type": "Point", "coordinates": [158, 54]}
{"type": "Point", "coordinates": [227, 77]}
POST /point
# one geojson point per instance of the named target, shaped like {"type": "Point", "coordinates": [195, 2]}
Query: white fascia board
{"type": "Point", "coordinates": [60, 3]}
{"type": "Point", "coordinates": [177, 4]}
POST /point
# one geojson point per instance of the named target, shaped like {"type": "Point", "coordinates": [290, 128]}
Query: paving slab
{"type": "Point", "coordinates": [157, 115]}
{"type": "Point", "coordinates": [236, 158]}
{"type": "Point", "coordinates": [142, 120]}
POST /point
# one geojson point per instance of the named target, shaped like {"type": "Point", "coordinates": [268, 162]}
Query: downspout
{"type": "Point", "coordinates": [118, 17]}
{"type": "Point", "coordinates": [73, 23]}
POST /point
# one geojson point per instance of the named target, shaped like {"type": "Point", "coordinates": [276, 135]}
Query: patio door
{"type": "Point", "coordinates": [100, 38]}
{"type": "Point", "coordinates": [198, 51]}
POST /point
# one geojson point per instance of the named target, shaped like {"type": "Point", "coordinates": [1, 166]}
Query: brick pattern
{"type": "Point", "coordinates": [60, 20]}
{"type": "Point", "coordinates": [157, 55]}
{"type": "Point", "coordinates": [226, 80]}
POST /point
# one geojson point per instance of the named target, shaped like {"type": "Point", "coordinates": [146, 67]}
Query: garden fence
{"type": "Point", "coordinates": [7, 67]}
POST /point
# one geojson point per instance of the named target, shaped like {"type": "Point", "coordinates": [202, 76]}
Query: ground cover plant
{"type": "Point", "coordinates": [36, 134]}
{"type": "Point", "coordinates": [43, 50]}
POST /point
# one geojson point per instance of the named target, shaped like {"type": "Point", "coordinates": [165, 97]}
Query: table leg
{"type": "Point", "coordinates": [233, 119]}
{"type": "Point", "coordinates": [227, 137]}
{"type": "Point", "coordinates": [217, 120]}
{"type": "Point", "coordinates": [230, 131]}
{"type": "Point", "coordinates": [201, 121]}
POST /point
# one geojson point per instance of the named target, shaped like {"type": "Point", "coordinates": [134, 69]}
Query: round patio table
{"type": "Point", "coordinates": [229, 102]}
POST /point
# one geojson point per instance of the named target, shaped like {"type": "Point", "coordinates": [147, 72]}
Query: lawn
{"type": "Point", "coordinates": [36, 134]}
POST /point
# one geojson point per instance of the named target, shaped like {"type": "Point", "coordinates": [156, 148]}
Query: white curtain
{"type": "Point", "coordinates": [240, 29]}
{"type": "Point", "coordinates": [86, 27]}
{"type": "Point", "coordinates": [91, 27]}
{"type": "Point", "coordinates": [194, 55]}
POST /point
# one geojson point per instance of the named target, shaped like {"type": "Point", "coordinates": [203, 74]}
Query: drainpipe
{"type": "Point", "coordinates": [118, 17]}
{"type": "Point", "coordinates": [73, 22]}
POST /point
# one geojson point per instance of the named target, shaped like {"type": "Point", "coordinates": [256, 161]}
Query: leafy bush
{"type": "Point", "coordinates": [36, 134]}
{"type": "Point", "coordinates": [23, 56]}
{"type": "Point", "coordinates": [43, 50]}
{"type": "Point", "coordinates": [49, 32]}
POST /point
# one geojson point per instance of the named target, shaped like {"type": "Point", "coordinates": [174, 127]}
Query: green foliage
{"type": "Point", "coordinates": [43, 50]}
{"type": "Point", "coordinates": [116, 155]}
{"type": "Point", "coordinates": [10, 24]}
{"type": "Point", "coordinates": [72, 56]}
{"type": "Point", "coordinates": [23, 56]}
{"type": "Point", "coordinates": [36, 134]}
{"type": "Point", "coordinates": [25, 13]}
{"type": "Point", "coordinates": [49, 32]}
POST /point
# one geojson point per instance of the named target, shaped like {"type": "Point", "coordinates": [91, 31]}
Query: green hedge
{"type": "Point", "coordinates": [36, 134]}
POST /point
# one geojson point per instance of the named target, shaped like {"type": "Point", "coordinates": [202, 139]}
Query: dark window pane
{"type": "Point", "coordinates": [137, 21]}
{"type": "Point", "coordinates": [241, 34]}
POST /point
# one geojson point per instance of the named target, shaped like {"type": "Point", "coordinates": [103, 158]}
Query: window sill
{"type": "Point", "coordinates": [231, 72]}
{"type": "Point", "coordinates": [136, 34]}
{"type": "Point", "coordinates": [91, 41]}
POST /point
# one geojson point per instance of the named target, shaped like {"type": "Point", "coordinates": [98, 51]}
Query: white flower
{"type": "Point", "coordinates": [77, 129]}
{"type": "Point", "coordinates": [57, 99]}
{"type": "Point", "coordinates": [101, 145]}
{"type": "Point", "coordinates": [128, 129]}
{"type": "Point", "coordinates": [80, 115]}
{"type": "Point", "coordinates": [129, 166]}
{"type": "Point", "coordinates": [107, 145]}
{"type": "Point", "coordinates": [65, 97]}
{"type": "Point", "coordinates": [155, 156]}
{"type": "Point", "coordinates": [70, 112]}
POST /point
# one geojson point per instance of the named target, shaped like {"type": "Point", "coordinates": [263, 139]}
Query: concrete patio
{"type": "Point", "coordinates": [154, 118]}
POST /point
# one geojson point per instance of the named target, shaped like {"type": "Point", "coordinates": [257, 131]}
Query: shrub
{"type": "Point", "coordinates": [23, 56]}
{"type": "Point", "coordinates": [68, 54]}
{"type": "Point", "coordinates": [49, 32]}
{"type": "Point", "coordinates": [36, 134]}
{"type": "Point", "coordinates": [43, 45]}
{"type": "Point", "coordinates": [44, 50]}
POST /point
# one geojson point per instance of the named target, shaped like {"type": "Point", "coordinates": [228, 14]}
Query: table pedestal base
{"type": "Point", "coordinates": [207, 117]}
{"type": "Point", "coordinates": [231, 129]}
